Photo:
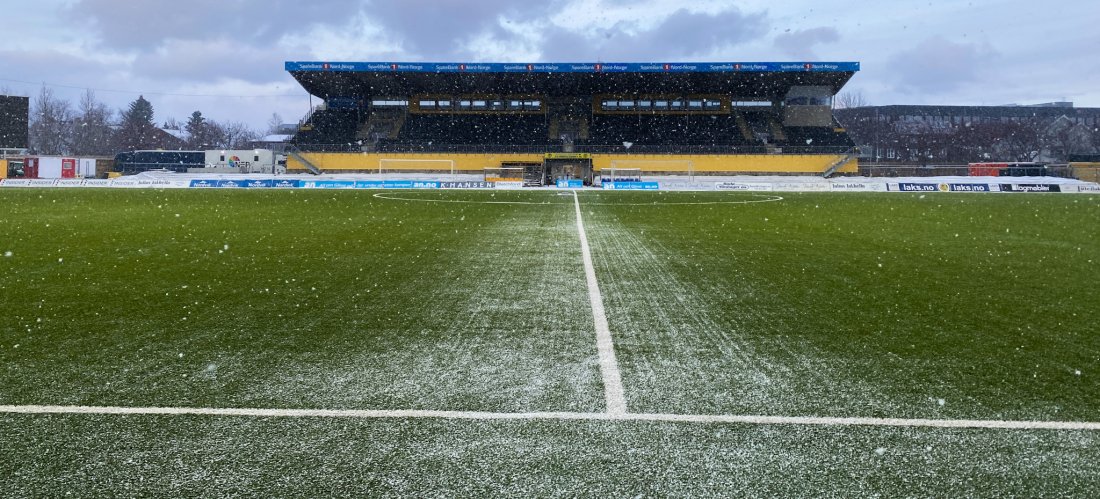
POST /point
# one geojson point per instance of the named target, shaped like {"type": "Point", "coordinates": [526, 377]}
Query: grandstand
{"type": "Point", "coordinates": [575, 119]}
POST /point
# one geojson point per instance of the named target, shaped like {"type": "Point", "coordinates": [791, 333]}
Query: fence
{"type": "Point", "coordinates": [881, 170]}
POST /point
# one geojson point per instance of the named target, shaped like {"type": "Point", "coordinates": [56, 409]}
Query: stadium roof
{"type": "Point", "coordinates": [743, 79]}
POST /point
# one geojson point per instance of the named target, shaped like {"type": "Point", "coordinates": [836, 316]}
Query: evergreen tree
{"type": "Point", "coordinates": [136, 129]}
{"type": "Point", "coordinates": [202, 134]}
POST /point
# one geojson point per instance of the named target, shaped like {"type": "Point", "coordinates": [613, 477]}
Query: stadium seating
{"type": "Point", "coordinates": [817, 137]}
{"type": "Point", "coordinates": [654, 129]}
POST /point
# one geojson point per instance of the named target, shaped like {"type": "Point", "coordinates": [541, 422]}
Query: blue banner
{"type": "Point", "coordinates": [574, 67]}
{"type": "Point", "coordinates": [231, 183]}
{"type": "Point", "coordinates": [570, 183]}
{"type": "Point", "coordinates": [631, 186]}
{"type": "Point", "coordinates": [286, 184]}
{"type": "Point", "coordinates": [911, 187]}
{"type": "Point", "coordinates": [969, 187]}
{"type": "Point", "coordinates": [204, 183]}
{"type": "Point", "coordinates": [327, 184]}
{"type": "Point", "coordinates": [258, 183]}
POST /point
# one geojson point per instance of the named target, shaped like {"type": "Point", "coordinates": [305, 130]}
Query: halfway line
{"type": "Point", "coordinates": [552, 416]}
{"type": "Point", "coordinates": [609, 367]}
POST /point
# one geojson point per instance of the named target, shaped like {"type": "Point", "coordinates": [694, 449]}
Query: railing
{"type": "Point", "coordinates": [391, 147]}
{"type": "Point", "coordinates": [887, 170]}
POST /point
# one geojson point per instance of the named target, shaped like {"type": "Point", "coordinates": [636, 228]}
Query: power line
{"type": "Point", "coordinates": [164, 94]}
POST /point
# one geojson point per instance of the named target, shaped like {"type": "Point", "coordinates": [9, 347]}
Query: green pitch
{"type": "Point", "coordinates": [901, 306]}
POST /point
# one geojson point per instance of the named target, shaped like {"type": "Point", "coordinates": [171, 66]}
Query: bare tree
{"type": "Point", "coordinates": [237, 135]}
{"type": "Point", "coordinates": [850, 100]}
{"type": "Point", "coordinates": [91, 132]}
{"type": "Point", "coordinates": [50, 124]}
{"type": "Point", "coordinates": [274, 123]}
{"type": "Point", "coordinates": [1064, 137]}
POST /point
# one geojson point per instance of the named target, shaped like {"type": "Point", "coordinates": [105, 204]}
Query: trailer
{"type": "Point", "coordinates": [58, 167]}
{"type": "Point", "coordinates": [245, 161]}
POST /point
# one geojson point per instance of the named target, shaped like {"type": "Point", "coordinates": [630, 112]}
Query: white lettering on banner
{"type": "Point", "coordinates": [802, 186]}
{"type": "Point", "coordinates": [508, 185]}
{"type": "Point", "coordinates": [742, 186]}
{"type": "Point", "coordinates": [858, 186]}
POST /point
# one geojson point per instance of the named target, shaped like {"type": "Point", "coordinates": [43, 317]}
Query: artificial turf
{"type": "Point", "coordinates": [909, 306]}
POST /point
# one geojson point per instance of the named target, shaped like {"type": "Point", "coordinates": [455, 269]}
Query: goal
{"type": "Point", "coordinates": [415, 165]}
{"type": "Point", "coordinates": [620, 167]}
{"type": "Point", "coordinates": [504, 174]}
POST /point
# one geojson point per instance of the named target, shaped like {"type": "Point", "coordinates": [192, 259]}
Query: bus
{"type": "Point", "coordinates": [142, 161]}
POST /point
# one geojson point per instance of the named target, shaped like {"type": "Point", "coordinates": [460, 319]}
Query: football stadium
{"type": "Point", "coordinates": [449, 293]}
{"type": "Point", "coordinates": [544, 122]}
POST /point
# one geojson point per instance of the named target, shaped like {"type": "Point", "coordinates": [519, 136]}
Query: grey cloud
{"type": "Point", "coordinates": [800, 44]}
{"type": "Point", "coordinates": [144, 25]}
{"type": "Point", "coordinates": [437, 28]}
{"type": "Point", "coordinates": [211, 60]}
{"type": "Point", "coordinates": [938, 65]}
{"type": "Point", "coordinates": [681, 34]}
{"type": "Point", "coordinates": [52, 67]}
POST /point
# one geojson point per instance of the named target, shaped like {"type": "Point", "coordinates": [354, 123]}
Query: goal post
{"type": "Point", "coordinates": [387, 165]}
{"type": "Point", "coordinates": [504, 174]}
{"type": "Point", "coordinates": [621, 167]}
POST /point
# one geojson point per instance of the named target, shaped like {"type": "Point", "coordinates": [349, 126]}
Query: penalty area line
{"type": "Point", "coordinates": [609, 366]}
{"type": "Point", "coordinates": [552, 416]}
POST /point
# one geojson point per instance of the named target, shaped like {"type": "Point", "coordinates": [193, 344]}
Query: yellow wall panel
{"type": "Point", "coordinates": [476, 163]}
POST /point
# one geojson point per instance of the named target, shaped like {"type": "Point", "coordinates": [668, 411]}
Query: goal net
{"type": "Point", "coordinates": [504, 174]}
{"type": "Point", "coordinates": [416, 166]}
{"type": "Point", "coordinates": [629, 170]}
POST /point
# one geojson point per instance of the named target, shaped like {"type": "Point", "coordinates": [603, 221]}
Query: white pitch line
{"type": "Point", "coordinates": [553, 416]}
{"type": "Point", "coordinates": [609, 367]}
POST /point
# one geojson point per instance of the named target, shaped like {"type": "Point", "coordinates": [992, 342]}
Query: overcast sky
{"type": "Point", "coordinates": [225, 57]}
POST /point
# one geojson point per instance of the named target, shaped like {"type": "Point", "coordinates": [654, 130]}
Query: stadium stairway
{"type": "Point", "coordinates": [295, 153]}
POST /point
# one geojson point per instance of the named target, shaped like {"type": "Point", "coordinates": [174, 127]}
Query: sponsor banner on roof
{"type": "Point", "coordinates": [573, 67]}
